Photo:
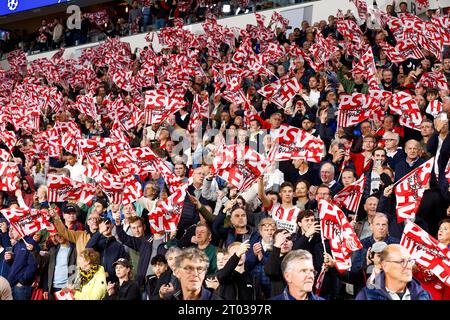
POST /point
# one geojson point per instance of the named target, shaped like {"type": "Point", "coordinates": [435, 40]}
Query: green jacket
{"type": "Point", "coordinates": [349, 85]}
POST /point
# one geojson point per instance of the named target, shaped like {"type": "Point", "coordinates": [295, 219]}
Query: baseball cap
{"type": "Point", "coordinates": [307, 116]}
{"type": "Point", "coordinates": [378, 246]}
{"type": "Point", "coordinates": [70, 208]}
{"type": "Point", "coordinates": [123, 262]}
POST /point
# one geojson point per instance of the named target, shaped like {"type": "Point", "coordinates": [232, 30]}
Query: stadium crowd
{"type": "Point", "coordinates": [111, 21]}
{"type": "Point", "coordinates": [75, 118]}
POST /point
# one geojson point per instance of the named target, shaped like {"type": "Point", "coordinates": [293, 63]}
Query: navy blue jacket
{"type": "Point", "coordinates": [110, 251]}
{"type": "Point", "coordinates": [399, 156]}
{"type": "Point", "coordinates": [23, 265]}
{"type": "Point", "coordinates": [403, 168]}
{"type": "Point", "coordinates": [287, 296]}
{"type": "Point", "coordinates": [375, 292]}
{"type": "Point", "coordinates": [144, 246]}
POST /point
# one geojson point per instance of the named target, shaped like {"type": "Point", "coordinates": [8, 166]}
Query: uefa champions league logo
{"type": "Point", "coordinates": [13, 4]}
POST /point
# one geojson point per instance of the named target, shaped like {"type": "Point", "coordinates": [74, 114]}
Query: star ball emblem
{"type": "Point", "coordinates": [13, 4]}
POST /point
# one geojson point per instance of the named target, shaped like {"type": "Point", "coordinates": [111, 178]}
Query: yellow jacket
{"type": "Point", "coordinates": [94, 289]}
{"type": "Point", "coordinates": [80, 238]}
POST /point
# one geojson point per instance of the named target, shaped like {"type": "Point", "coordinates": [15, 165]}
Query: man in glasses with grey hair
{"type": "Point", "coordinates": [395, 282]}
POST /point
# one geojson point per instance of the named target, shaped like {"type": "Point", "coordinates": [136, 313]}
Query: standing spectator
{"type": "Point", "coordinates": [147, 246]}
{"type": "Point", "coordinates": [135, 17]}
{"type": "Point", "coordinates": [282, 245]}
{"type": "Point", "coordinates": [203, 239]}
{"type": "Point", "coordinates": [60, 260]}
{"type": "Point", "coordinates": [298, 271]}
{"type": "Point", "coordinates": [396, 281]}
{"type": "Point", "coordinates": [58, 31]}
{"type": "Point", "coordinates": [22, 264]}
{"type": "Point", "coordinates": [258, 255]}
{"type": "Point", "coordinates": [412, 161]}
{"type": "Point", "coordinates": [235, 282]}
{"type": "Point", "coordinates": [79, 238]}
{"type": "Point", "coordinates": [90, 283]}
{"type": "Point", "coordinates": [109, 248]}
{"type": "Point", "coordinates": [168, 283]}
{"type": "Point", "coordinates": [393, 152]}
{"type": "Point", "coordinates": [159, 266]}
{"type": "Point", "coordinates": [125, 288]}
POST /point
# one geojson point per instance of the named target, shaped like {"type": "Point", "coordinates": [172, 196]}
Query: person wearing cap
{"type": "Point", "coordinates": [395, 281]}
{"type": "Point", "coordinates": [373, 261]}
{"type": "Point", "coordinates": [80, 238]}
{"type": "Point", "coordinates": [70, 213]}
{"type": "Point", "coordinates": [125, 288]}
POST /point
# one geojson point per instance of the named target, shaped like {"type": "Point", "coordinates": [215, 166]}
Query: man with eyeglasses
{"type": "Point", "coordinates": [395, 282]}
{"type": "Point", "coordinates": [190, 269]}
{"type": "Point", "coordinates": [393, 152]}
{"type": "Point", "coordinates": [298, 271]}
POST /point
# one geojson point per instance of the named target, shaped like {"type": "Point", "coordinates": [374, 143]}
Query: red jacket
{"type": "Point", "coordinates": [431, 283]}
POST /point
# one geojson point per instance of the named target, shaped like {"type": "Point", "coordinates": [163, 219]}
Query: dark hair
{"type": "Point", "coordinates": [286, 184]}
{"type": "Point", "coordinates": [304, 214]}
{"type": "Point", "coordinates": [134, 219]}
{"type": "Point", "coordinates": [159, 258]}
{"type": "Point", "coordinates": [306, 182]}
{"type": "Point", "coordinates": [445, 220]}
{"type": "Point", "coordinates": [349, 170]}
{"type": "Point", "coordinates": [377, 149]}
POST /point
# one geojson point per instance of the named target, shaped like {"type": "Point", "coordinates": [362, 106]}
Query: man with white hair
{"type": "Point", "coordinates": [327, 176]}
{"type": "Point", "coordinates": [298, 271]}
{"type": "Point", "coordinates": [393, 152]}
{"type": "Point", "coordinates": [413, 160]}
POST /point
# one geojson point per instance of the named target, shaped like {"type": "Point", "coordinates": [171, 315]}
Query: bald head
{"type": "Point", "coordinates": [327, 173]}
{"type": "Point", "coordinates": [412, 149]}
{"type": "Point", "coordinates": [397, 265]}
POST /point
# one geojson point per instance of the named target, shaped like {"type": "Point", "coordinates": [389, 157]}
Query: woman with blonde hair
{"type": "Point", "coordinates": [90, 282]}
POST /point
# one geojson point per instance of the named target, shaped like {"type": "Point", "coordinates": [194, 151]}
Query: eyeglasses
{"type": "Point", "coordinates": [191, 269]}
{"type": "Point", "coordinates": [403, 262]}
{"type": "Point", "coordinates": [267, 225]}
{"type": "Point", "coordinates": [307, 271]}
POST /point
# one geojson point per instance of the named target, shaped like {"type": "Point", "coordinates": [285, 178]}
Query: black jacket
{"type": "Point", "coordinates": [273, 270]}
{"type": "Point", "coordinates": [51, 264]}
{"type": "Point", "coordinates": [129, 290]}
{"type": "Point", "coordinates": [235, 285]}
{"type": "Point", "coordinates": [165, 278]}
{"type": "Point", "coordinates": [144, 246]}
